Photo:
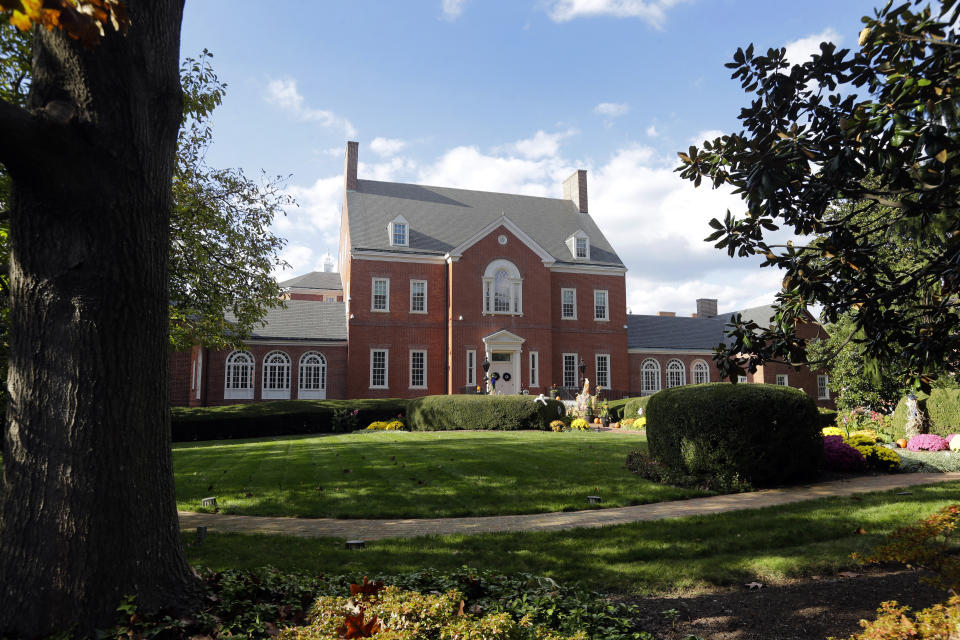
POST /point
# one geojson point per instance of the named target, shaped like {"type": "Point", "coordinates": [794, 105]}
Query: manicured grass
{"type": "Point", "coordinates": [768, 545]}
{"type": "Point", "coordinates": [415, 475]}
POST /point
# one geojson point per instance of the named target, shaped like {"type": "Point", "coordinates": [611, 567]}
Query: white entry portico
{"type": "Point", "coordinates": [502, 350]}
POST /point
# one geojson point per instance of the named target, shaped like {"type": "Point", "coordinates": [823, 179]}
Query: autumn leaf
{"type": "Point", "coordinates": [367, 589]}
{"type": "Point", "coordinates": [82, 20]}
{"type": "Point", "coordinates": [355, 627]}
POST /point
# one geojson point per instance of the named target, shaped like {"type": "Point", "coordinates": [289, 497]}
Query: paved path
{"type": "Point", "coordinates": [408, 528]}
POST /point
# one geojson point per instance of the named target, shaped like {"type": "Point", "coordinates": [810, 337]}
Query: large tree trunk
{"type": "Point", "coordinates": [88, 510]}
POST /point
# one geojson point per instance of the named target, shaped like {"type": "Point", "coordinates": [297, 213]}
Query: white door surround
{"type": "Point", "coordinates": [505, 342]}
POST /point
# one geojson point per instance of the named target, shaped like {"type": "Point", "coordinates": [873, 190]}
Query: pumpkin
{"type": "Point", "coordinates": [596, 421]}
{"type": "Point", "coordinates": [902, 443]}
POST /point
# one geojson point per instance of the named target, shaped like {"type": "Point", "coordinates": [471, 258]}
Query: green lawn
{"type": "Point", "coordinates": [416, 475]}
{"type": "Point", "coordinates": [768, 545]}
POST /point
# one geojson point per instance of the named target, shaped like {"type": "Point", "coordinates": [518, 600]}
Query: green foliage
{"type": "Point", "coordinates": [758, 434]}
{"type": "Point", "coordinates": [616, 408]}
{"type": "Point", "coordinates": [632, 406]}
{"type": "Point", "coordinates": [942, 407]}
{"type": "Point", "coordinates": [853, 150]}
{"type": "Point", "coordinates": [558, 426]}
{"type": "Point", "coordinates": [499, 413]}
{"type": "Point", "coordinates": [928, 461]}
{"type": "Point", "coordinates": [280, 417]}
{"type": "Point", "coordinates": [827, 416]}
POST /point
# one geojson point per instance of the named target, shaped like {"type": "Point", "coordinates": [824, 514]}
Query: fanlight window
{"type": "Point", "coordinates": [676, 374]}
{"type": "Point", "coordinates": [239, 375]}
{"type": "Point", "coordinates": [502, 288]}
{"type": "Point", "coordinates": [701, 372]}
{"type": "Point", "coordinates": [276, 375]}
{"type": "Point", "coordinates": [650, 376]}
{"type": "Point", "coordinates": [312, 376]}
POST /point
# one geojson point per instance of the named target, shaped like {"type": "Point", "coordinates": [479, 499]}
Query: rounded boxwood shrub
{"type": "Point", "coordinates": [942, 407]}
{"type": "Point", "coordinates": [761, 434]}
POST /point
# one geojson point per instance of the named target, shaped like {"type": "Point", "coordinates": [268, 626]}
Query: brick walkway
{"type": "Point", "coordinates": [408, 528]}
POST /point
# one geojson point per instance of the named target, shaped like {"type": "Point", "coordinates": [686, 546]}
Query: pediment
{"type": "Point", "coordinates": [503, 337]}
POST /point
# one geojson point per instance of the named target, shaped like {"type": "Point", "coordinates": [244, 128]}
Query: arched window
{"type": "Point", "coordinates": [312, 376]}
{"type": "Point", "coordinates": [239, 376]}
{"type": "Point", "coordinates": [276, 376]}
{"type": "Point", "coordinates": [676, 374]}
{"type": "Point", "coordinates": [701, 372]}
{"type": "Point", "coordinates": [502, 288]}
{"type": "Point", "coordinates": [650, 377]}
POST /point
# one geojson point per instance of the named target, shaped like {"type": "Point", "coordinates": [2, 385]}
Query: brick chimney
{"type": "Point", "coordinates": [706, 307]}
{"type": "Point", "coordinates": [350, 166]}
{"type": "Point", "coordinates": [667, 314]}
{"type": "Point", "coordinates": [575, 188]}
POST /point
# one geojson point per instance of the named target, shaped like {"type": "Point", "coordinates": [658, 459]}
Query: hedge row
{"type": "Point", "coordinates": [756, 433]}
{"type": "Point", "coordinates": [942, 407]}
{"type": "Point", "coordinates": [499, 413]}
{"type": "Point", "coordinates": [633, 405]}
{"type": "Point", "coordinates": [277, 418]}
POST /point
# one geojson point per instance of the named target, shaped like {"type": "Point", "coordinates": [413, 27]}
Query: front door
{"type": "Point", "coordinates": [501, 363]}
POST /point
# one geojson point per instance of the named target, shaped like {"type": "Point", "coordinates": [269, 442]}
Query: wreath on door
{"type": "Point", "coordinates": [496, 376]}
{"type": "Point", "coordinates": [506, 377]}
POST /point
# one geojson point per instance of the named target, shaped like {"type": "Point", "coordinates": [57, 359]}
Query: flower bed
{"type": "Point", "coordinates": [927, 442]}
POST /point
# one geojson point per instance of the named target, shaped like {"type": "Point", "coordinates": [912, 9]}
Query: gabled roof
{"type": "Point", "coordinates": [442, 218]}
{"type": "Point", "coordinates": [701, 334]}
{"type": "Point", "coordinates": [305, 320]}
{"type": "Point", "coordinates": [315, 280]}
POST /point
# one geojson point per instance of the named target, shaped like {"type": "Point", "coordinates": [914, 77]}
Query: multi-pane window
{"type": "Point", "coordinates": [381, 294]}
{"type": "Point", "coordinates": [650, 377]}
{"type": "Point", "coordinates": [471, 368]}
{"type": "Point", "coordinates": [239, 375]}
{"type": "Point", "coordinates": [701, 372]}
{"type": "Point", "coordinates": [603, 370]}
{"type": "Point", "coordinates": [312, 376]}
{"type": "Point", "coordinates": [276, 375]}
{"type": "Point", "coordinates": [378, 368]}
{"type": "Point", "coordinates": [502, 288]}
{"type": "Point", "coordinates": [570, 370]}
{"type": "Point", "coordinates": [502, 292]}
{"type": "Point", "coordinates": [601, 306]}
{"type": "Point", "coordinates": [534, 369]}
{"type": "Point", "coordinates": [676, 374]}
{"type": "Point", "coordinates": [580, 243]}
{"type": "Point", "coordinates": [568, 304]}
{"type": "Point", "coordinates": [418, 369]}
{"type": "Point", "coordinates": [823, 390]}
{"type": "Point", "coordinates": [399, 233]}
{"type": "Point", "coordinates": [418, 296]}
{"type": "Point", "coordinates": [782, 380]}
{"type": "Point", "coordinates": [741, 379]}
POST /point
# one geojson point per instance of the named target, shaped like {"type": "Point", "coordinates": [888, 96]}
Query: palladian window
{"type": "Point", "coordinates": [502, 289]}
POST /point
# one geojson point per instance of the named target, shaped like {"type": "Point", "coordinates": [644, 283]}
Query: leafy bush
{"type": "Point", "coordinates": [832, 431]}
{"type": "Point", "coordinates": [759, 434]}
{"type": "Point", "coordinates": [876, 457]}
{"type": "Point", "coordinates": [927, 442]}
{"type": "Point", "coordinates": [379, 425]}
{"type": "Point", "coordinates": [828, 417]}
{"type": "Point", "coordinates": [632, 406]}
{"type": "Point", "coordinates": [617, 408]}
{"type": "Point", "coordinates": [280, 418]}
{"type": "Point", "coordinates": [558, 425]}
{"type": "Point", "coordinates": [839, 456]}
{"type": "Point", "coordinates": [496, 413]}
{"type": "Point", "coordinates": [579, 425]}
{"type": "Point", "coordinates": [395, 425]}
{"type": "Point", "coordinates": [928, 461]}
{"type": "Point", "coordinates": [942, 408]}
{"type": "Point", "coordinates": [641, 463]}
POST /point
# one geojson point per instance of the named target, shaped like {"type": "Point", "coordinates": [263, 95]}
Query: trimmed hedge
{"type": "Point", "coordinates": [632, 404]}
{"type": "Point", "coordinates": [828, 417]}
{"type": "Point", "coordinates": [616, 408]}
{"type": "Point", "coordinates": [497, 413]}
{"type": "Point", "coordinates": [942, 407]}
{"type": "Point", "coordinates": [732, 433]}
{"type": "Point", "coordinates": [276, 418]}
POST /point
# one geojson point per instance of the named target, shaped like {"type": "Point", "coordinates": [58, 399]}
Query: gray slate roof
{"type": "Point", "coordinates": [305, 320]}
{"type": "Point", "coordinates": [442, 218]}
{"type": "Point", "coordinates": [315, 280]}
{"type": "Point", "coordinates": [703, 334]}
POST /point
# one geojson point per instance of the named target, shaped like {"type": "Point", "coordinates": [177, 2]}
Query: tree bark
{"type": "Point", "coordinates": [87, 500]}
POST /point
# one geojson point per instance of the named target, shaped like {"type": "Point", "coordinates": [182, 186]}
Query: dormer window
{"type": "Point", "coordinates": [398, 231]}
{"type": "Point", "coordinates": [579, 245]}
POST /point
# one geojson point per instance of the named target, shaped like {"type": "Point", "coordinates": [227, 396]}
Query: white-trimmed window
{"type": "Point", "coordinates": [239, 376]}
{"type": "Point", "coordinates": [601, 305]}
{"type": "Point", "coordinates": [418, 368]}
{"type": "Point", "coordinates": [502, 289]}
{"type": "Point", "coordinates": [603, 370]}
{"type": "Point", "coordinates": [398, 231]}
{"type": "Point", "coordinates": [418, 296]}
{"type": "Point", "coordinates": [701, 372]}
{"type": "Point", "coordinates": [379, 361]}
{"type": "Point", "coordinates": [782, 380]}
{"type": "Point", "coordinates": [568, 304]}
{"type": "Point", "coordinates": [676, 374]}
{"type": "Point", "coordinates": [380, 294]}
{"type": "Point", "coordinates": [823, 388]}
{"type": "Point", "coordinates": [198, 373]}
{"type": "Point", "coordinates": [276, 376]}
{"type": "Point", "coordinates": [471, 368]}
{"type": "Point", "coordinates": [579, 245]}
{"type": "Point", "coordinates": [312, 376]}
{"type": "Point", "coordinates": [649, 377]}
{"type": "Point", "coordinates": [741, 379]}
{"type": "Point", "coordinates": [534, 369]}
{"type": "Point", "coordinates": [570, 370]}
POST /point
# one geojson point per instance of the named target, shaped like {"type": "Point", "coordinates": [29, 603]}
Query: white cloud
{"type": "Point", "coordinates": [283, 93]}
{"type": "Point", "coordinates": [654, 12]}
{"type": "Point", "coordinates": [652, 131]}
{"type": "Point", "coordinates": [452, 9]}
{"type": "Point", "coordinates": [707, 134]}
{"type": "Point", "coordinates": [541, 145]}
{"type": "Point", "coordinates": [387, 147]}
{"type": "Point", "coordinates": [752, 288]}
{"type": "Point", "coordinates": [799, 51]}
{"type": "Point", "coordinates": [469, 168]}
{"type": "Point", "coordinates": [611, 109]}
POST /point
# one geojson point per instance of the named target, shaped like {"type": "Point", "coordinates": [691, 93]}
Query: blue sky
{"type": "Point", "coordinates": [508, 96]}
